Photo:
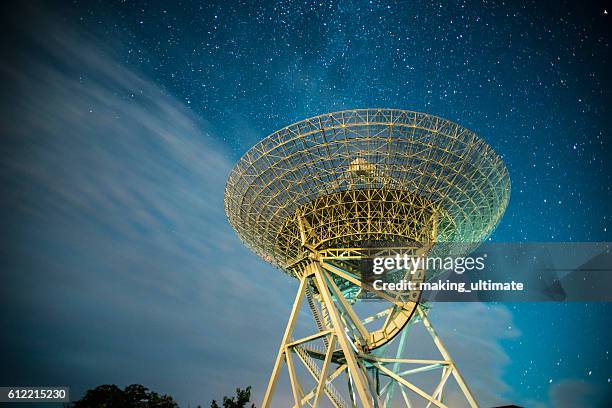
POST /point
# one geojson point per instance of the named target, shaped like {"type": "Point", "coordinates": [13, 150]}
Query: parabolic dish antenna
{"type": "Point", "coordinates": [322, 196]}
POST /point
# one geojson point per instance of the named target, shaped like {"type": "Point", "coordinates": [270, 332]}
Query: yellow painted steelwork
{"type": "Point", "coordinates": [322, 196]}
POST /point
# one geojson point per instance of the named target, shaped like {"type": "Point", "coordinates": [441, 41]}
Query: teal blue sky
{"type": "Point", "coordinates": [120, 122]}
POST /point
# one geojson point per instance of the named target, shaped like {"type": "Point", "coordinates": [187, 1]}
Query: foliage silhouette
{"type": "Point", "coordinates": [242, 398]}
{"type": "Point", "coordinates": [132, 396]}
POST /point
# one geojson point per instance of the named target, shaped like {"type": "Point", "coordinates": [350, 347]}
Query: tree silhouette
{"type": "Point", "coordinates": [132, 396]}
{"type": "Point", "coordinates": [242, 398]}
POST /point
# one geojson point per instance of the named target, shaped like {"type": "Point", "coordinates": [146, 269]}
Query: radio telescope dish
{"type": "Point", "coordinates": [322, 196]}
{"type": "Point", "coordinates": [401, 163]}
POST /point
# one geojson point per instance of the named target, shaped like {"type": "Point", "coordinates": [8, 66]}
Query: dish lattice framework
{"type": "Point", "coordinates": [354, 177]}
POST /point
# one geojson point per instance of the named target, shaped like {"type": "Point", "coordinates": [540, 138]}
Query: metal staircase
{"type": "Point", "coordinates": [333, 394]}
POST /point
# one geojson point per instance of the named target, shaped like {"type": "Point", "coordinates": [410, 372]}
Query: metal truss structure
{"type": "Point", "coordinates": [322, 197]}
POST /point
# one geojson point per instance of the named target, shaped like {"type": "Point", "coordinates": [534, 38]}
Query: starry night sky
{"type": "Point", "coordinates": [531, 78]}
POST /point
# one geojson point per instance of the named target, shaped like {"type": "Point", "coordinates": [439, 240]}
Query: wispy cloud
{"type": "Point", "coordinates": [119, 264]}
{"type": "Point", "coordinates": [577, 393]}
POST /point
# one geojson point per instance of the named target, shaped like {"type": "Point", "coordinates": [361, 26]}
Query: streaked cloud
{"type": "Point", "coordinates": [119, 264]}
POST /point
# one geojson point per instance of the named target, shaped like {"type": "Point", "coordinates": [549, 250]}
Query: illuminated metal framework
{"type": "Point", "coordinates": [319, 197]}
